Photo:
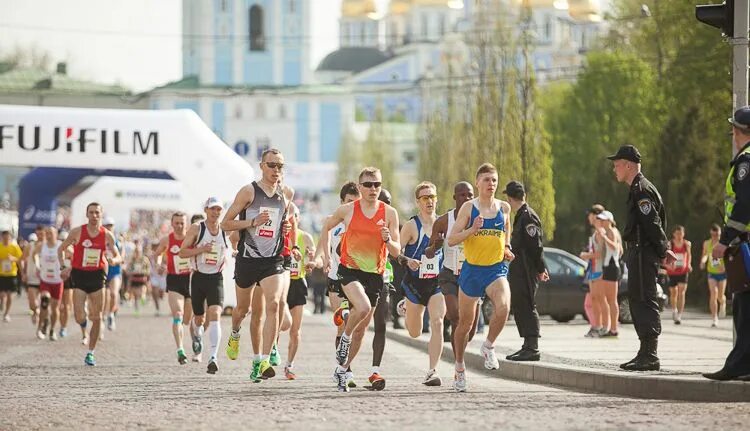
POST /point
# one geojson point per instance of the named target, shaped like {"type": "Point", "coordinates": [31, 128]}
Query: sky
{"type": "Point", "coordinates": [135, 43]}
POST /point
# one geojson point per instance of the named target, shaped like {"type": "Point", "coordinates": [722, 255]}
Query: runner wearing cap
{"type": "Point", "coordinates": [30, 275]}
{"type": "Point", "coordinates": [207, 244]}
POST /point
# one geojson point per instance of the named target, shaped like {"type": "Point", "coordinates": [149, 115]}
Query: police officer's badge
{"type": "Point", "coordinates": [645, 206]}
{"type": "Point", "coordinates": [742, 170]}
{"type": "Point", "coordinates": [532, 230]}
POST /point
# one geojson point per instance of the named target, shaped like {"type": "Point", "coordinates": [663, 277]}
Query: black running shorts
{"type": "Point", "coordinates": [179, 283]}
{"type": "Point", "coordinates": [249, 271]}
{"type": "Point", "coordinates": [297, 293]}
{"type": "Point", "coordinates": [89, 281]}
{"type": "Point", "coordinates": [208, 288]}
{"type": "Point", "coordinates": [372, 282]}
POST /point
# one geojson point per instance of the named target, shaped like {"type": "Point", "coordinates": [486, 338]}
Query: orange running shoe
{"type": "Point", "coordinates": [341, 314]}
{"type": "Point", "coordinates": [289, 374]}
{"type": "Point", "coordinates": [377, 382]}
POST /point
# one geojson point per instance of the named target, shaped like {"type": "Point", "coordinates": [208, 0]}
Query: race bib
{"type": "Point", "coordinates": [269, 228]}
{"type": "Point", "coordinates": [429, 268]}
{"type": "Point", "coordinates": [50, 267]}
{"type": "Point", "coordinates": [294, 268]}
{"type": "Point", "coordinates": [91, 257]}
{"type": "Point", "coordinates": [715, 262]}
{"type": "Point", "coordinates": [7, 265]}
{"type": "Point", "coordinates": [459, 259]}
{"type": "Point", "coordinates": [138, 268]}
{"type": "Point", "coordinates": [181, 265]}
{"type": "Point", "coordinates": [680, 262]}
{"type": "Point", "coordinates": [212, 257]}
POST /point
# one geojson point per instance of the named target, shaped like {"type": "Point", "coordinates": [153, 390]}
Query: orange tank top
{"type": "Point", "coordinates": [362, 246]}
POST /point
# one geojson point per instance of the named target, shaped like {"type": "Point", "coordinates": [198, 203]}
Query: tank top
{"type": "Point", "coordinates": [680, 265]}
{"type": "Point", "coordinates": [714, 266]}
{"type": "Point", "coordinates": [428, 268]}
{"type": "Point", "coordinates": [336, 234]}
{"type": "Point", "coordinates": [88, 253]}
{"type": "Point", "coordinates": [287, 250]}
{"type": "Point", "coordinates": [453, 257]}
{"type": "Point", "coordinates": [265, 240]}
{"type": "Point", "coordinates": [211, 262]}
{"type": "Point", "coordinates": [297, 269]}
{"type": "Point", "coordinates": [32, 266]}
{"type": "Point", "coordinates": [49, 264]}
{"type": "Point", "coordinates": [139, 269]}
{"type": "Point", "coordinates": [362, 246]}
{"type": "Point", "coordinates": [176, 265]}
{"type": "Point", "coordinates": [487, 246]}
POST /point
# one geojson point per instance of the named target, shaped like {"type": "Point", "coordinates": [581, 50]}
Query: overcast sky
{"type": "Point", "coordinates": [132, 42]}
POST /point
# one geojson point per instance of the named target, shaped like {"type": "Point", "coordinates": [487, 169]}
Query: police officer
{"type": "Point", "coordinates": [736, 228]}
{"type": "Point", "coordinates": [526, 270]}
{"type": "Point", "coordinates": [647, 246]}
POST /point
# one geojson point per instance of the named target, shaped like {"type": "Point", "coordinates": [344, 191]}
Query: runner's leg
{"type": "Point", "coordinates": [436, 307]}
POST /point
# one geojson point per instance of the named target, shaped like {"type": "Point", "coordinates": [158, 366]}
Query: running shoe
{"type": "Point", "coordinates": [197, 357]}
{"type": "Point", "coordinates": [289, 374]}
{"type": "Point", "coordinates": [350, 380]}
{"type": "Point", "coordinates": [401, 307]}
{"type": "Point", "coordinates": [593, 333]}
{"type": "Point", "coordinates": [212, 367]}
{"type": "Point", "coordinates": [181, 357]}
{"type": "Point", "coordinates": [233, 347]}
{"type": "Point", "coordinates": [266, 370]}
{"type": "Point", "coordinates": [490, 360]}
{"type": "Point", "coordinates": [459, 381]}
{"type": "Point", "coordinates": [90, 361]}
{"type": "Point", "coordinates": [85, 340]}
{"type": "Point", "coordinates": [611, 334]}
{"type": "Point", "coordinates": [341, 313]}
{"type": "Point", "coordinates": [111, 323]}
{"type": "Point", "coordinates": [274, 358]}
{"type": "Point", "coordinates": [341, 382]}
{"type": "Point", "coordinates": [342, 352]}
{"type": "Point", "coordinates": [715, 322]}
{"type": "Point", "coordinates": [52, 335]}
{"type": "Point", "coordinates": [377, 382]}
{"type": "Point", "coordinates": [255, 374]}
{"type": "Point", "coordinates": [40, 335]}
{"type": "Point", "coordinates": [678, 320]}
{"type": "Point", "coordinates": [603, 332]}
{"type": "Point", "coordinates": [197, 344]}
{"type": "Point", "coordinates": [432, 379]}
{"type": "Point", "coordinates": [6, 318]}
{"type": "Point", "coordinates": [63, 332]}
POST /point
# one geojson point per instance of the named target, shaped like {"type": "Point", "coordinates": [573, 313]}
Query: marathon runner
{"type": "Point", "coordinates": [114, 279]}
{"type": "Point", "coordinates": [178, 271]}
{"type": "Point", "coordinates": [482, 226]}
{"type": "Point", "coordinates": [10, 256]}
{"type": "Point", "coordinates": [206, 243]}
{"type": "Point", "coordinates": [371, 233]}
{"type": "Point", "coordinates": [139, 271]}
{"type": "Point", "coordinates": [66, 306]}
{"type": "Point", "coordinates": [30, 274]}
{"type": "Point", "coordinates": [90, 244]}
{"type": "Point", "coordinates": [51, 282]}
{"type": "Point", "coordinates": [262, 208]}
{"type": "Point", "coordinates": [420, 284]}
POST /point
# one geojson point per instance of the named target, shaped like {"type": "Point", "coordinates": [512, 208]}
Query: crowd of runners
{"type": "Point", "coordinates": [451, 262]}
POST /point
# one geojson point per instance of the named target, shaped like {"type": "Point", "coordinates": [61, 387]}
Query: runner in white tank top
{"type": "Point", "coordinates": [30, 273]}
{"type": "Point", "coordinates": [51, 283]}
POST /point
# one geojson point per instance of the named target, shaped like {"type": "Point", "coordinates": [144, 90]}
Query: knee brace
{"type": "Point", "coordinates": [44, 302]}
{"type": "Point", "coordinates": [177, 320]}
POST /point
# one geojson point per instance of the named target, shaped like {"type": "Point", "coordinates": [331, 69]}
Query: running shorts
{"type": "Point", "coordinates": [372, 282]}
{"type": "Point", "coordinates": [179, 283]}
{"type": "Point", "coordinates": [248, 271]}
{"type": "Point", "coordinates": [55, 289]}
{"type": "Point", "coordinates": [89, 281]}
{"type": "Point", "coordinates": [208, 288]}
{"type": "Point", "coordinates": [448, 282]}
{"type": "Point", "coordinates": [297, 293]}
{"type": "Point", "coordinates": [8, 284]}
{"type": "Point", "coordinates": [474, 279]}
{"type": "Point", "coordinates": [674, 280]}
{"type": "Point", "coordinates": [419, 291]}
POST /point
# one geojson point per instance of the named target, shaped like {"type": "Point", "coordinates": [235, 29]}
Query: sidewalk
{"type": "Point", "coordinates": [571, 360]}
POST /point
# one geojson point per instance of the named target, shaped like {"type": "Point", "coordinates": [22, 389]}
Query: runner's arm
{"type": "Point", "coordinates": [323, 250]}
{"type": "Point", "coordinates": [439, 232]}
{"type": "Point", "coordinates": [187, 250]}
{"type": "Point", "coordinates": [704, 254]}
{"type": "Point", "coordinates": [159, 252]}
{"type": "Point", "coordinates": [72, 238]}
{"type": "Point", "coordinates": [461, 229]}
{"type": "Point", "coordinates": [244, 197]}
{"type": "Point", "coordinates": [116, 257]}
{"type": "Point", "coordinates": [393, 244]}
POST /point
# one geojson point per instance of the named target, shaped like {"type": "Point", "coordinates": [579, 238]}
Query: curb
{"type": "Point", "coordinates": [638, 385]}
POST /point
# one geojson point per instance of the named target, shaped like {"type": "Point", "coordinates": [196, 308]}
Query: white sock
{"type": "Point", "coordinates": [214, 333]}
{"type": "Point", "coordinates": [258, 357]}
{"type": "Point", "coordinates": [340, 369]}
{"type": "Point", "coordinates": [290, 365]}
{"type": "Point", "coordinates": [236, 333]}
{"type": "Point", "coordinates": [375, 370]}
{"type": "Point", "coordinates": [345, 338]}
{"type": "Point", "coordinates": [488, 345]}
{"type": "Point", "coordinates": [91, 351]}
{"type": "Point", "coordinates": [199, 331]}
{"type": "Point", "coordinates": [263, 357]}
{"type": "Point", "coordinates": [460, 366]}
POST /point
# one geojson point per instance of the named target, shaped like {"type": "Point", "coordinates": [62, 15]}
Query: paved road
{"type": "Point", "coordinates": [137, 384]}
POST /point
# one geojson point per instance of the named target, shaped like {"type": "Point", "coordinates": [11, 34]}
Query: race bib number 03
{"type": "Point", "coordinates": [429, 268]}
{"type": "Point", "coordinates": [269, 228]}
{"type": "Point", "coordinates": [294, 268]}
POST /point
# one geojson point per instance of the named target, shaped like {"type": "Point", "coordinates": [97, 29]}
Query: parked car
{"type": "Point", "coordinates": [562, 296]}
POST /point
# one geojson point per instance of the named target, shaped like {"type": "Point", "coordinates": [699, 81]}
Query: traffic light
{"type": "Point", "coordinates": [720, 16]}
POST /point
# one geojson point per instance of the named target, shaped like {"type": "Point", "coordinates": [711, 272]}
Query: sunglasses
{"type": "Point", "coordinates": [274, 165]}
{"type": "Point", "coordinates": [425, 198]}
{"type": "Point", "coordinates": [371, 184]}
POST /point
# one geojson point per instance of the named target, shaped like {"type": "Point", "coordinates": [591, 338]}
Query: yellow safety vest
{"type": "Point", "coordinates": [730, 197]}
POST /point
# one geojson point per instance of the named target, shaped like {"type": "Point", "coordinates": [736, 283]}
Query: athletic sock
{"type": "Point", "coordinates": [91, 352]}
{"type": "Point", "coordinates": [214, 333]}
{"type": "Point", "coordinates": [258, 357]}
{"type": "Point", "coordinates": [199, 331]}
{"type": "Point", "coordinates": [375, 370]}
{"type": "Point", "coordinates": [263, 357]}
{"type": "Point", "coordinates": [488, 345]}
{"type": "Point", "coordinates": [290, 365]}
{"type": "Point", "coordinates": [345, 338]}
{"type": "Point", "coordinates": [236, 333]}
{"type": "Point", "coordinates": [340, 369]}
{"type": "Point", "coordinates": [460, 366]}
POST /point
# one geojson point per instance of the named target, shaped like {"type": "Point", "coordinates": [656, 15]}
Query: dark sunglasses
{"type": "Point", "coordinates": [274, 165]}
{"type": "Point", "coordinates": [371, 184]}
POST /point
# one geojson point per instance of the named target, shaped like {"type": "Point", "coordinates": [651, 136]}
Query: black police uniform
{"type": "Point", "coordinates": [526, 243]}
{"type": "Point", "coordinates": [646, 245]}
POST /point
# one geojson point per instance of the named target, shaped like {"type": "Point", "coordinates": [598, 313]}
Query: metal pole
{"type": "Point", "coordinates": [740, 68]}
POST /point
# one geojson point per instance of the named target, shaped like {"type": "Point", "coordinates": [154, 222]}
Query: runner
{"type": "Point", "coordinates": [371, 233]}
{"type": "Point", "coordinates": [678, 272]}
{"type": "Point", "coordinates": [114, 279]}
{"type": "Point", "coordinates": [157, 280]}
{"type": "Point", "coordinates": [10, 256]}
{"type": "Point", "coordinates": [453, 259]}
{"type": "Point", "coordinates": [90, 243]}
{"type": "Point", "coordinates": [297, 297]}
{"type": "Point", "coordinates": [178, 280]}
{"type": "Point", "coordinates": [66, 306]}
{"type": "Point", "coordinates": [30, 273]}
{"type": "Point", "coordinates": [262, 209]}
{"type": "Point", "coordinates": [482, 225]}
{"type": "Point", "coordinates": [51, 285]}
{"type": "Point", "coordinates": [717, 277]}
{"type": "Point", "coordinates": [206, 243]}
{"type": "Point", "coordinates": [328, 251]}
{"type": "Point", "coordinates": [420, 284]}
{"type": "Point", "coordinates": [290, 252]}
{"type": "Point", "coordinates": [139, 271]}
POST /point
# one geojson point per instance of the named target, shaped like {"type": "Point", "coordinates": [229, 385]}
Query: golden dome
{"type": "Point", "coordinates": [399, 7]}
{"type": "Point", "coordinates": [357, 8]}
{"type": "Point", "coordinates": [537, 3]}
{"type": "Point", "coordinates": [584, 10]}
{"type": "Point", "coordinates": [430, 2]}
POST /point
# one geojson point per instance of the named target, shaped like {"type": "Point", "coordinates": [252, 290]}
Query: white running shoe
{"type": "Point", "coordinates": [6, 318]}
{"type": "Point", "coordinates": [85, 340]}
{"type": "Point", "coordinates": [401, 307]}
{"type": "Point", "coordinates": [490, 360]}
{"type": "Point", "coordinates": [40, 335]}
{"type": "Point", "coordinates": [459, 381]}
{"type": "Point", "coordinates": [432, 379]}
{"type": "Point", "coordinates": [715, 322]}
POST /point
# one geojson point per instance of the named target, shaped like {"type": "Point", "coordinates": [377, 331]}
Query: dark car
{"type": "Point", "coordinates": [562, 296]}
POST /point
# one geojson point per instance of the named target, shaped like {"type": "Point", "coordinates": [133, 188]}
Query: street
{"type": "Point", "coordinates": [137, 383]}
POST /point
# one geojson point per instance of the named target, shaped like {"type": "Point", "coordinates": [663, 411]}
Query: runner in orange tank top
{"type": "Point", "coordinates": [371, 233]}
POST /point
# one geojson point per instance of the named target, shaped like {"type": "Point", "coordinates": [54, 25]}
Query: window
{"type": "Point", "coordinates": [223, 5]}
{"type": "Point", "coordinates": [282, 111]}
{"type": "Point", "coordinates": [363, 33]}
{"type": "Point", "coordinates": [547, 28]}
{"type": "Point", "coordinates": [260, 110]}
{"type": "Point", "coordinates": [425, 24]}
{"type": "Point", "coordinates": [257, 39]}
{"type": "Point", "coordinates": [238, 112]}
{"type": "Point", "coordinates": [442, 25]}
{"type": "Point", "coordinates": [292, 6]}
{"type": "Point", "coordinates": [561, 265]}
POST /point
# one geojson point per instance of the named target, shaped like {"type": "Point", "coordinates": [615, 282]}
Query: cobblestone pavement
{"type": "Point", "coordinates": [137, 384]}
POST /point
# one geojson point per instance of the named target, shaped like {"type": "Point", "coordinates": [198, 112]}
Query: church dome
{"type": "Point", "coordinates": [353, 59]}
{"type": "Point", "coordinates": [584, 10]}
{"type": "Point", "coordinates": [357, 8]}
{"type": "Point", "coordinates": [399, 7]}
